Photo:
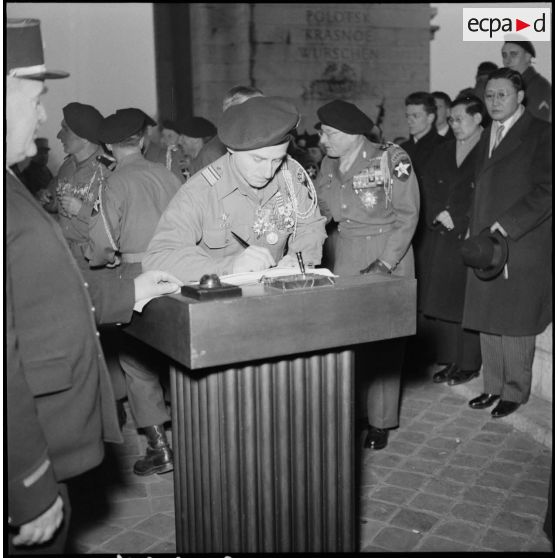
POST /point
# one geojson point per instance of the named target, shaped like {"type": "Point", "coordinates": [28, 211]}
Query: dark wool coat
{"type": "Point", "coordinates": [421, 153]}
{"type": "Point", "coordinates": [60, 404]}
{"type": "Point", "coordinates": [449, 188]}
{"type": "Point", "coordinates": [514, 187]}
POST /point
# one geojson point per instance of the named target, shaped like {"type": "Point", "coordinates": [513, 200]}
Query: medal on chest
{"type": "Point", "coordinates": [274, 218]}
{"type": "Point", "coordinates": [368, 184]}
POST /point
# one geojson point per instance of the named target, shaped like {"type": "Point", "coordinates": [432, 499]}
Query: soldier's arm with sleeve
{"type": "Point", "coordinates": [105, 222]}
{"type": "Point", "coordinates": [406, 204]}
{"type": "Point", "coordinates": [32, 487]}
{"type": "Point", "coordinates": [536, 205]}
{"type": "Point", "coordinates": [175, 245]}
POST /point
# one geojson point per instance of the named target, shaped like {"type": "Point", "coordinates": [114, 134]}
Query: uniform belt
{"type": "Point", "coordinates": [132, 258]}
{"type": "Point", "coordinates": [364, 231]}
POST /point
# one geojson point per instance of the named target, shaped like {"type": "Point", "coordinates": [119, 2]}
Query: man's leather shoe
{"type": "Point", "coordinates": [377, 438]}
{"type": "Point", "coordinates": [443, 374]}
{"type": "Point", "coordinates": [483, 401]}
{"type": "Point", "coordinates": [459, 376]}
{"type": "Point", "coordinates": [504, 408]}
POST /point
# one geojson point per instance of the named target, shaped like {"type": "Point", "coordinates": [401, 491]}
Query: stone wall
{"type": "Point", "coordinates": [364, 53]}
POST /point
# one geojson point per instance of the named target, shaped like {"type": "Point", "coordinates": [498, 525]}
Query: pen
{"type": "Point", "coordinates": [300, 262]}
{"type": "Point", "coordinates": [240, 240]}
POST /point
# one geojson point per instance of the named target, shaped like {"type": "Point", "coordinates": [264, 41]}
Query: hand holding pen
{"type": "Point", "coordinates": [253, 258]}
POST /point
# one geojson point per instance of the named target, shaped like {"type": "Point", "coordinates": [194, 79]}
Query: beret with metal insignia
{"type": "Point", "coordinates": [345, 116]}
{"type": "Point", "coordinates": [258, 122]}
{"type": "Point", "coordinates": [84, 120]}
{"type": "Point", "coordinates": [121, 125]}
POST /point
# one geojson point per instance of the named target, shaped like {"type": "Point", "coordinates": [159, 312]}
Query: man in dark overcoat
{"type": "Point", "coordinates": [513, 195]}
{"type": "Point", "coordinates": [60, 404]}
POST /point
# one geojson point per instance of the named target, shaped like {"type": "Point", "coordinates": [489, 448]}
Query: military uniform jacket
{"type": "Point", "coordinates": [538, 94]}
{"type": "Point", "coordinates": [194, 234]}
{"type": "Point", "coordinates": [60, 403]}
{"type": "Point", "coordinates": [82, 181]}
{"type": "Point", "coordinates": [128, 210]}
{"type": "Point", "coordinates": [364, 205]}
{"type": "Point", "coordinates": [514, 187]}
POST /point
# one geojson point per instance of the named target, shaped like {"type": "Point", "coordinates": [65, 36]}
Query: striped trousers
{"type": "Point", "coordinates": [507, 365]}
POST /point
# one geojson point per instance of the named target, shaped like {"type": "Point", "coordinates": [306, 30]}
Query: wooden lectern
{"type": "Point", "coordinates": [262, 393]}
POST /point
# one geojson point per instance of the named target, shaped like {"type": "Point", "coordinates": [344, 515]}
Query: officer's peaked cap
{"type": "Point", "coordinates": [121, 125]}
{"type": "Point", "coordinates": [346, 117]}
{"type": "Point", "coordinates": [84, 120]}
{"type": "Point", "coordinates": [24, 51]}
{"type": "Point", "coordinates": [258, 122]}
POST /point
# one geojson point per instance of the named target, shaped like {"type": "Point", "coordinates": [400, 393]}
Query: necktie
{"type": "Point", "coordinates": [499, 134]}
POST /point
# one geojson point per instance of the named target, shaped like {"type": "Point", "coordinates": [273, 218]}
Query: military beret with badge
{"type": "Point", "coordinates": [258, 122]}
{"type": "Point", "coordinates": [84, 120]}
{"type": "Point", "coordinates": [345, 116]}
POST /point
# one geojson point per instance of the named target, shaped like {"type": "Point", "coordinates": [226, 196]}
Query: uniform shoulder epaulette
{"type": "Point", "coordinates": [211, 174]}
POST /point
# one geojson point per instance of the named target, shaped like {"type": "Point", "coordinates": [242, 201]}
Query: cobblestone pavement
{"type": "Point", "coordinates": [451, 479]}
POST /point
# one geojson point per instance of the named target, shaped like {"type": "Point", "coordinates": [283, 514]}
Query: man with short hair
{"type": "Point", "coordinates": [371, 191]}
{"type": "Point", "coordinates": [443, 104]}
{"type": "Point", "coordinates": [75, 188]}
{"type": "Point", "coordinates": [421, 112]}
{"type": "Point", "coordinates": [255, 191]}
{"type": "Point", "coordinates": [513, 196]}
{"type": "Point", "coordinates": [518, 56]}
{"type": "Point", "coordinates": [59, 401]}
{"type": "Point", "coordinates": [128, 209]}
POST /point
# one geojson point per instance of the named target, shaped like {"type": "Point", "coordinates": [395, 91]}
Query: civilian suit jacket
{"type": "Point", "coordinates": [60, 404]}
{"type": "Point", "coordinates": [514, 187]}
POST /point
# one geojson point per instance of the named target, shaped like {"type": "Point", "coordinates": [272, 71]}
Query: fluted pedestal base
{"type": "Point", "coordinates": [264, 456]}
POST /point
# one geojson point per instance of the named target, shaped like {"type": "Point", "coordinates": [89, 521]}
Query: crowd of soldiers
{"type": "Point", "coordinates": [128, 203]}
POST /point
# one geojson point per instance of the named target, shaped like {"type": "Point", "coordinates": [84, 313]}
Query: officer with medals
{"type": "Point", "coordinates": [255, 191]}
{"type": "Point", "coordinates": [72, 193]}
{"type": "Point", "coordinates": [371, 191]}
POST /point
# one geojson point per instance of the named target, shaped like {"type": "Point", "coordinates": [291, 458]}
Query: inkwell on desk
{"type": "Point", "coordinates": [298, 281]}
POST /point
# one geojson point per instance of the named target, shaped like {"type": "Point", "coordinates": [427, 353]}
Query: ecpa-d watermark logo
{"type": "Point", "coordinates": [497, 24]}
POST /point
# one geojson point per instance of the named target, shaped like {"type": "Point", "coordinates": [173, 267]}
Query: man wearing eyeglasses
{"type": "Point", "coordinates": [371, 191]}
{"type": "Point", "coordinates": [513, 195]}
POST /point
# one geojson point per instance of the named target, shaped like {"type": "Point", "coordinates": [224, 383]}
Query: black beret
{"type": "Point", "coordinates": [258, 122]}
{"type": "Point", "coordinates": [83, 120]}
{"type": "Point", "coordinates": [198, 127]}
{"type": "Point", "coordinates": [170, 125]}
{"type": "Point", "coordinates": [526, 45]}
{"type": "Point", "coordinates": [345, 116]}
{"type": "Point", "coordinates": [148, 121]}
{"type": "Point", "coordinates": [121, 125]}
